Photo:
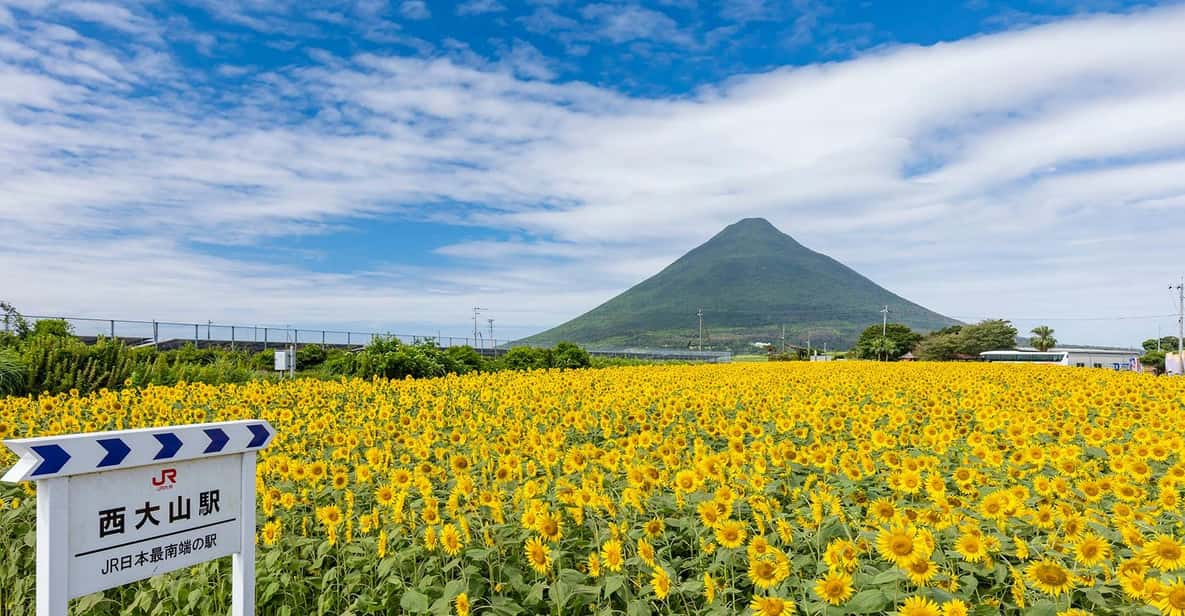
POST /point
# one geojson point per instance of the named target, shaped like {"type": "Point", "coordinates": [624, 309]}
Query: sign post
{"type": "Point", "coordinates": [117, 507]}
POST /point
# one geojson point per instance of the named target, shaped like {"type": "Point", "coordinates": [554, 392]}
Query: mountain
{"type": "Point", "coordinates": [750, 280]}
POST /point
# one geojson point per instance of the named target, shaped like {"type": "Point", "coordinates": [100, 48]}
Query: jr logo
{"type": "Point", "coordinates": [168, 477]}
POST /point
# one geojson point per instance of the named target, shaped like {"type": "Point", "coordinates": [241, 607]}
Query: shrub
{"type": "Point", "coordinates": [568, 355]}
{"type": "Point", "coordinates": [310, 356]}
{"type": "Point", "coordinates": [12, 373]}
{"type": "Point", "coordinates": [59, 364]}
{"type": "Point", "coordinates": [57, 328]}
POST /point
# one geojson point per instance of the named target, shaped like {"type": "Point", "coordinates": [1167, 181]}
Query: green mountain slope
{"type": "Point", "coordinates": [750, 279]}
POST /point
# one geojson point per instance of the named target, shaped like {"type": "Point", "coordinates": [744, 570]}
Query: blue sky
{"type": "Point", "coordinates": [389, 165]}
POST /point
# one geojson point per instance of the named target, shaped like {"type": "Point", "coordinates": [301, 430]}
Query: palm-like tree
{"type": "Point", "coordinates": [884, 347]}
{"type": "Point", "coordinates": [1043, 339]}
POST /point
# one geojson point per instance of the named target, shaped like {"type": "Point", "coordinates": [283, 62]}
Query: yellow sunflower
{"type": "Point", "coordinates": [771, 606]}
{"type": "Point", "coordinates": [835, 588]}
{"type": "Point", "coordinates": [1171, 600]}
{"type": "Point", "coordinates": [538, 555]}
{"type": "Point", "coordinates": [918, 606]}
{"type": "Point", "coordinates": [1165, 553]}
{"type": "Point", "coordinates": [1049, 577]}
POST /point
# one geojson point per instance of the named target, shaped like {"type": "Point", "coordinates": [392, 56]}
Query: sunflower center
{"type": "Point", "coordinates": [902, 545]}
{"type": "Point", "coordinates": [1177, 597]}
{"type": "Point", "coordinates": [1053, 576]}
{"type": "Point", "coordinates": [1169, 551]}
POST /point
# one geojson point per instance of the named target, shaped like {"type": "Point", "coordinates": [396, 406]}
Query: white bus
{"type": "Point", "coordinates": [1110, 359]}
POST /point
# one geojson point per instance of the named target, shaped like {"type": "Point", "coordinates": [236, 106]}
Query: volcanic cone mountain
{"type": "Point", "coordinates": [750, 280]}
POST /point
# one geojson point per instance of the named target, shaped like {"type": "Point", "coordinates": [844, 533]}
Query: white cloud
{"type": "Point", "coordinates": [110, 15]}
{"type": "Point", "coordinates": [965, 176]}
{"type": "Point", "coordinates": [415, 9]}
{"type": "Point", "coordinates": [480, 7]}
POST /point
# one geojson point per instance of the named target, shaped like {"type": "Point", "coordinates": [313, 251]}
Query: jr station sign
{"type": "Point", "coordinates": [117, 507]}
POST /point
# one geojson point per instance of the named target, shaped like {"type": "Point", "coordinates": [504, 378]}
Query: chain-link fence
{"type": "Point", "coordinates": [171, 334]}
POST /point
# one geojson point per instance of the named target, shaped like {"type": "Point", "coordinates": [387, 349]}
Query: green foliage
{"type": "Point", "coordinates": [938, 347]}
{"type": "Point", "coordinates": [56, 328]}
{"type": "Point", "coordinates": [750, 279]}
{"type": "Point", "coordinates": [569, 355]}
{"type": "Point", "coordinates": [467, 358]}
{"type": "Point", "coordinates": [989, 335]}
{"type": "Point", "coordinates": [1043, 339]}
{"type": "Point", "coordinates": [13, 375]}
{"type": "Point", "coordinates": [1155, 359]}
{"type": "Point", "coordinates": [526, 358]}
{"type": "Point", "coordinates": [59, 364]}
{"type": "Point", "coordinates": [310, 356]}
{"type": "Point", "coordinates": [898, 339]}
{"type": "Point", "coordinates": [1168, 343]}
{"type": "Point", "coordinates": [969, 340]}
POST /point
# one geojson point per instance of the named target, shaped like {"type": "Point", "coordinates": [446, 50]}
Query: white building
{"type": "Point", "coordinates": [1172, 364]}
{"type": "Point", "coordinates": [1111, 359]}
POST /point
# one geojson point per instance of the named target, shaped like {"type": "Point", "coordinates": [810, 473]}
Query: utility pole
{"type": "Point", "coordinates": [1181, 323]}
{"type": "Point", "coordinates": [493, 345]}
{"type": "Point", "coordinates": [783, 338]}
{"type": "Point", "coordinates": [700, 314]}
{"type": "Point", "coordinates": [885, 322]}
{"type": "Point", "coordinates": [476, 311]}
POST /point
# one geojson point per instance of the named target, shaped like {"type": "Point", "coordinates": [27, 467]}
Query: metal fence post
{"type": "Point", "coordinates": [322, 338]}
{"type": "Point", "coordinates": [232, 337]}
{"type": "Point", "coordinates": [112, 329]}
{"type": "Point", "coordinates": [347, 338]}
{"type": "Point", "coordinates": [196, 336]}
{"type": "Point", "coordinates": [265, 338]}
{"type": "Point", "coordinates": [155, 334]}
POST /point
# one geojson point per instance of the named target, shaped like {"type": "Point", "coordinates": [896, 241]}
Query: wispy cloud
{"type": "Point", "coordinates": [915, 164]}
{"type": "Point", "coordinates": [415, 9]}
{"type": "Point", "coordinates": [479, 7]}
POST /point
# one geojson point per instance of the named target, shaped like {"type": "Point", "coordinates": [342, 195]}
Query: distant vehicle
{"type": "Point", "coordinates": [1111, 359]}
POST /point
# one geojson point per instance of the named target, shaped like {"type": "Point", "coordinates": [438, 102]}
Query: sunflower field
{"type": "Point", "coordinates": [772, 489]}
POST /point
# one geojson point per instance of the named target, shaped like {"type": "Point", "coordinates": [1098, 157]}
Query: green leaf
{"type": "Point", "coordinates": [1042, 608]}
{"type": "Point", "coordinates": [414, 601]}
{"type": "Point", "coordinates": [867, 602]}
{"type": "Point", "coordinates": [454, 588]}
{"type": "Point", "coordinates": [888, 576]}
{"type": "Point", "coordinates": [613, 583]}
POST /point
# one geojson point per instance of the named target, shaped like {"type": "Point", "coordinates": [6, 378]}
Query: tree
{"type": "Point", "coordinates": [1043, 339]}
{"type": "Point", "coordinates": [989, 335]}
{"type": "Point", "coordinates": [569, 355]}
{"type": "Point", "coordinates": [1155, 359]}
{"type": "Point", "coordinates": [1168, 343]}
{"type": "Point", "coordinates": [884, 347]}
{"type": "Point", "coordinates": [941, 347]}
{"type": "Point", "coordinates": [902, 337]}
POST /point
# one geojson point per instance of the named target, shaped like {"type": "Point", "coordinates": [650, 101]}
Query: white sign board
{"type": "Point", "coordinates": [117, 507]}
{"type": "Point", "coordinates": [1172, 364]}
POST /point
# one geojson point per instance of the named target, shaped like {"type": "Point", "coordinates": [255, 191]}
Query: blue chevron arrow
{"type": "Point", "coordinates": [261, 434]}
{"type": "Point", "coordinates": [170, 445]}
{"type": "Point", "coordinates": [53, 458]}
{"type": "Point", "coordinates": [117, 450]}
{"type": "Point", "coordinates": [218, 440]}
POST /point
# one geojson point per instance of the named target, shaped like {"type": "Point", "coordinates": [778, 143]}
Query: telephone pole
{"type": "Point", "coordinates": [700, 313]}
{"type": "Point", "coordinates": [884, 322]}
{"type": "Point", "coordinates": [1180, 288]}
{"type": "Point", "coordinates": [493, 345]}
{"type": "Point", "coordinates": [476, 311]}
{"type": "Point", "coordinates": [783, 338]}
